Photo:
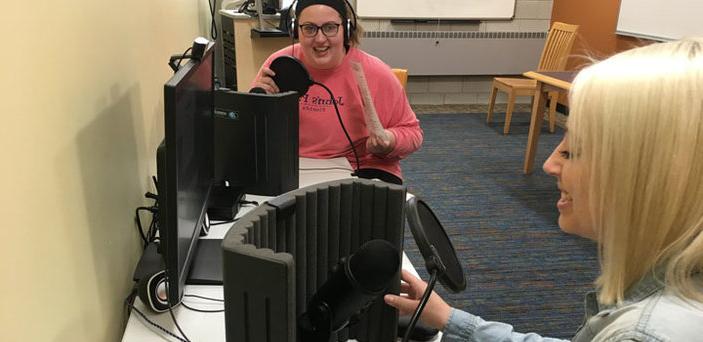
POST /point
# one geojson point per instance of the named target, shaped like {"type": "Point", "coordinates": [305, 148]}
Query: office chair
{"type": "Point", "coordinates": [556, 51]}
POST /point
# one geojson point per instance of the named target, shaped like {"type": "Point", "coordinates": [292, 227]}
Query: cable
{"type": "Point", "coordinates": [172, 61]}
{"type": "Point", "coordinates": [423, 301]}
{"type": "Point", "coordinates": [153, 227]}
{"type": "Point", "coordinates": [203, 297]}
{"type": "Point", "coordinates": [213, 26]}
{"type": "Point", "coordinates": [139, 226]}
{"type": "Point", "coordinates": [324, 169]}
{"type": "Point", "coordinates": [129, 303]}
{"type": "Point", "coordinates": [244, 8]}
{"type": "Point", "coordinates": [249, 202]}
{"type": "Point", "coordinates": [150, 235]}
{"type": "Point", "coordinates": [336, 109]}
{"type": "Point", "coordinates": [224, 222]}
{"type": "Point", "coordinates": [170, 309]}
{"type": "Point", "coordinates": [201, 310]}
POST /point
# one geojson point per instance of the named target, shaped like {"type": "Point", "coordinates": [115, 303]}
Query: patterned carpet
{"type": "Point", "coordinates": [520, 268]}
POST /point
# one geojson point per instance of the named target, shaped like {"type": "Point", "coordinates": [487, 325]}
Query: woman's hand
{"type": "Point", "coordinates": [381, 144]}
{"type": "Point", "coordinates": [436, 312]}
{"type": "Point", "coordinates": [266, 81]}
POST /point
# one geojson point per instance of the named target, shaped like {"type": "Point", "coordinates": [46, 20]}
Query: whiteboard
{"type": "Point", "coordinates": [661, 20]}
{"type": "Point", "coordinates": [436, 9]}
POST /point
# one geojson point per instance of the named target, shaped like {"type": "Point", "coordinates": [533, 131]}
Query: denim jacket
{"type": "Point", "coordinates": [649, 313]}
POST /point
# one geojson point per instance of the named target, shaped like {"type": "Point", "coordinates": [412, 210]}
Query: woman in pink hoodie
{"type": "Point", "coordinates": [372, 103]}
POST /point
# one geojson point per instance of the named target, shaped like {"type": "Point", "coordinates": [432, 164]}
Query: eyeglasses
{"type": "Point", "coordinates": [328, 29]}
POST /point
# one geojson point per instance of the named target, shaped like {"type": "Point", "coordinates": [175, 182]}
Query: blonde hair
{"type": "Point", "coordinates": [636, 121]}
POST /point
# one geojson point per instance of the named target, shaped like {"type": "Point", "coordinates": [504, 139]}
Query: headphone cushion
{"type": "Point", "coordinates": [348, 31]}
{"type": "Point", "coordinates": [152, 291]}
{"type": "Point", "coordinates": [293, 29]}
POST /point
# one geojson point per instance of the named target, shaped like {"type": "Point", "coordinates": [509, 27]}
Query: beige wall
{"type": "Point", "coordinates": [82, 113]}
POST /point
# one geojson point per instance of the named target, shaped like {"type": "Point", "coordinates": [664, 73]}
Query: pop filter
{"type": "Point", "coordinates": [438, 252]}
{"type": "Point", "coordinates": [428, 233]}
{"type": "Point", "coordinates": [291, 75]}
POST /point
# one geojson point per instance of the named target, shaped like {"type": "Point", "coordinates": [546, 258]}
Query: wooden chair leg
{"type": "Point", "coordinates": [553, 99]}
{"type": "Point", "coordinates": [491, 102]}
{"type": "Point", "coordinates": [509, 112]}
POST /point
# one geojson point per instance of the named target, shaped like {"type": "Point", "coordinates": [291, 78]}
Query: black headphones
{"type": "Point", "coordinates": [349, 27]}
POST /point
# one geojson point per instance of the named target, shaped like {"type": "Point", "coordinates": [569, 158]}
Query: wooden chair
{"type": "Point", "coordinates": [556, 51]}
{"type": "Point", "coordinates": [402, 75]}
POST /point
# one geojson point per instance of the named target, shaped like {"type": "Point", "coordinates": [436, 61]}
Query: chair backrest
{"type": "Point", "coordinates": [556, 51]}
{"type": "Point", "coordinates": [402, 75]}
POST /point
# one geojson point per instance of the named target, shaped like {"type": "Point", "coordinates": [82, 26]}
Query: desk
{"type": "Point", "coordinates": [546, 81]}
{"type": "Point", "coordinates": [199, 326]}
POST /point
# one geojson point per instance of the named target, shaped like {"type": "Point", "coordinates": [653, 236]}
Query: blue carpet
{"type": "Point", "coordinates": [520, 268]}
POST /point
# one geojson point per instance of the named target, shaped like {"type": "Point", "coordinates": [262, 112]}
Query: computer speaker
{"type": "Point", "coordinates": [152, 291]}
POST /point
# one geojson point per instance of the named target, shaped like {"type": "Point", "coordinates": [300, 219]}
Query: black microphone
{"type": "Point", "coordinates": [355, 283]}
{"type": "Point", "coordinates": [291, 75]}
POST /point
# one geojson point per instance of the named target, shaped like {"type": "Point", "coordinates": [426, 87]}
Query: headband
{"type": "Point", "coordinates": [337, 5]}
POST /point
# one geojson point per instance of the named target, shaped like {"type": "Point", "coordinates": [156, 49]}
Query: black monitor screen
{"type": "Point", "coordinates": [185, 166]}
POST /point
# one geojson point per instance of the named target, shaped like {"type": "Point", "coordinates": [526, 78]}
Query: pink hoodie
{"type": "Point", "coordinates": [322, 137]}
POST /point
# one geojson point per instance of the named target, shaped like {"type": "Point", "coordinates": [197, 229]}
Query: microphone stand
{"type": "Point", "coordinates": [436, 268]}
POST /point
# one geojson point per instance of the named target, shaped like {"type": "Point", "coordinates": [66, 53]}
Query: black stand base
{"type": "Point", "coordinates": [207, 264]}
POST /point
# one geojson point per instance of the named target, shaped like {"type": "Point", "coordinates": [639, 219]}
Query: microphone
{"type": "Point", "coordinates": [257, 90]}
{"type": "Point", "coordinates": [291, 75]}
{"type": "Point", "coordinates": [355, 283]}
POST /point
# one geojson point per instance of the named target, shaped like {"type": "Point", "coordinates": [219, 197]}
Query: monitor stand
{"type": "Point", "coordinates": [207, 265]}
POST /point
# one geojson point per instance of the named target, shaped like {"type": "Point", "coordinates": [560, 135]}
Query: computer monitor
{"type": "Point", "coordinates": [185, 167]}
{"type": "Point", "coordinates": [256, 141]}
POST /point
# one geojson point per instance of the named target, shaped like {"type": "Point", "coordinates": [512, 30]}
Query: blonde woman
{"type": "Point", "coordinates": [630, 172]}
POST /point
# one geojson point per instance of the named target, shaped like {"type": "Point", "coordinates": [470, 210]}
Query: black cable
{"type": "Point", "coordinates": [423, 301]}
{"type": "Point", "coordinates": [213, 26]}
{"type": "Point", "coordinates": [203, 297]}
{"type": "Point", "coordinates": [201, 310]}
{"type": "Point", "coordinates": [356, 156]}
{"type": "Point", "coordinates": [153, 227]}
{"type": "Point", "coordinates": [130, 304]}
{"type": "Point", "coordinates": [139, 227]}
{"type": "Point", "coordinates": [244, 8]}
{"type": "Point", "coordinates": [149, 235]}
{"type": "Point", "coordinates": [170, 310]}
{"type": "Point", "coordinates": [172, 61]}
{"type": "Point", "coordinates": [224, 222]}
{"type": "Point", "coordinates": [324, 169]}
{"type": "Point", "coordinates": [249, 202]}
{"type": "Point", "coordinates": [183, 56]}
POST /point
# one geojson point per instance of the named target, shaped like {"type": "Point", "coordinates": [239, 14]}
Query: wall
{"type": "Point", "coordinates": [82, 114]}
{"type": "Point", "coordinates": [530, 16]}
{"type": "Point", "coordinates": [596, 36]}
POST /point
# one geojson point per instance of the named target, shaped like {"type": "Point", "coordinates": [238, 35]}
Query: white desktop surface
{"type": "Point", "coordinates": [200, 326]}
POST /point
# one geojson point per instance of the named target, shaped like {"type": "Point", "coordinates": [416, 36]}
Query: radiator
{"type": "Point", "coordinates": [457, 53]}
